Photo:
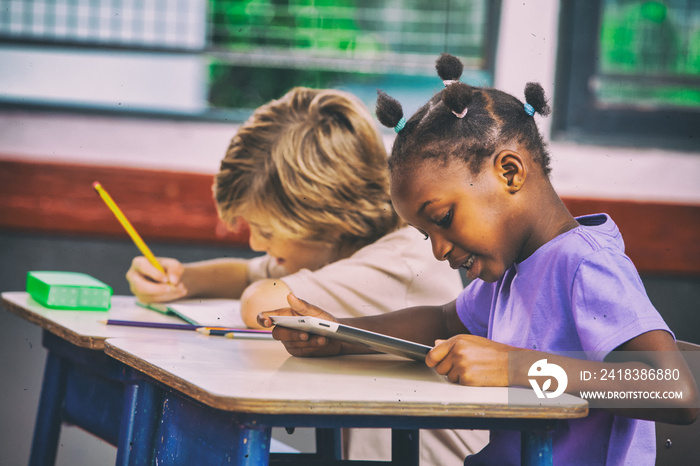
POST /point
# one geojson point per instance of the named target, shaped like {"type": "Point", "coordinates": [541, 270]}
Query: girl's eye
{"type": "Point", "coordinates": [445, 221]}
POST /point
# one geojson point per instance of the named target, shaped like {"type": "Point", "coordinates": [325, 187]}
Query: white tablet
{"type": "Point", "coordinates": [376, 341]}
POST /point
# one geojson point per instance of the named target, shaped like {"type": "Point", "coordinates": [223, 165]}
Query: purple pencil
{"type": "Point", "coordinates": [135, 323]}
{"type": "Point", "coordinates": [132, 323]}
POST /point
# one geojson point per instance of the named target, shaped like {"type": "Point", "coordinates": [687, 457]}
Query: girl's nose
{"type": "Point", "coordinates": [441, 247]}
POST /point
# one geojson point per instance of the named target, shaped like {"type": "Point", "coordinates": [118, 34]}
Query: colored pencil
{"type": "Point", "coordinates": [131, 323]}
{"type": "Point", "coordinates": [164, 309]}
{"type": "Point", "coordinates": [127, 226]}
{"type": "Point", "coordinates": [199, 328]}
{"type": "Point", "coordinates": [240, 334]}
{"type": "Point", "coordinates": [249, 336]}
{"type": "Point", "coordinates": [238, 331]}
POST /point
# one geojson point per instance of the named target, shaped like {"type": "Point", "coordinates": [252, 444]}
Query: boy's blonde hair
{"type": "Point", "coordinates": [314, 163]}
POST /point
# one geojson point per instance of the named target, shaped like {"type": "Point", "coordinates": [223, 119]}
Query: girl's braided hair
{"type": "Point", "coordinates": [466, 122]}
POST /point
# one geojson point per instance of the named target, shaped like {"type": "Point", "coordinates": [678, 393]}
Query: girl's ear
{"type": "Point", "coordinates": [510, 168]}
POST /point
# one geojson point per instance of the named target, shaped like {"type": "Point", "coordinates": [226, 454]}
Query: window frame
{"type": "Point", "coordinates": [580, 119]}
{"type": "Point", "coordinates": [207, 52]}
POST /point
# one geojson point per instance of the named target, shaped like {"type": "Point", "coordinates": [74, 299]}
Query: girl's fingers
{"type": "Point", "coordinates": [444, 367]}
{"type": "Point", "coordinates": [296, 342]}
{"type": "Point", "coordinates": [301, 307]}
{"type": "Point", "coordinates": [438, 353]}
{"type": "Point", "coordinates": [295, 336]}
{"type": "Point", "coordinates": [264, 317]}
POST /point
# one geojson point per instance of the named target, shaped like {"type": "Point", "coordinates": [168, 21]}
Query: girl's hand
{"type": "Point", "coordinates": [296, 342]}
{"type": "Point", "coordinates": [471, 360]}
{"type": "Point", "coordinates": [150, 285]}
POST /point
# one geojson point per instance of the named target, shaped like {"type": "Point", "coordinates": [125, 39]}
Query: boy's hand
{"type": "Point", "coordinates": [296, 342]}
{"type": "Point", "coordinates": [149, 285]}
{"type": "Point", "coordinates": [471, 360]}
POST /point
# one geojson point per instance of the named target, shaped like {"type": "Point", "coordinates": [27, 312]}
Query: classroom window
{"type": "Point", "coordinates": [261, 48]}
{"type": "Point", "coordinates": [629, 72]}
{"type": "Point", "coordinates": [154, 24]}
{"type": "Point", "coordinates": [220, 58]}
{"type": "Point", "coordinates": [103, 55]}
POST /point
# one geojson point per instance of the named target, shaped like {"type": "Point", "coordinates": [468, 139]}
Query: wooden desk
{"type": "Point", "coordinates": [222, 398]}
{"type": "Point", "coordinates": [179, 396]}
{"type": "Point", "coordinates": [81, 384]}
{"type": "Point", "coordinates": [83, 328]}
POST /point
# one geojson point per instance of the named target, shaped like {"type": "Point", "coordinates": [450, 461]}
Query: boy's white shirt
{"type": "Point", "coordinates": [395, 272]}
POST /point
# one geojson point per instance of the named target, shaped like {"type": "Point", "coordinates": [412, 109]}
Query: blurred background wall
{"type": "Point", "coordinates": [144, 97]}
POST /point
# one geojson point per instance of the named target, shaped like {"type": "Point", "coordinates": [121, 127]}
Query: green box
{"type": "Point", "coordinates": [69, 290]}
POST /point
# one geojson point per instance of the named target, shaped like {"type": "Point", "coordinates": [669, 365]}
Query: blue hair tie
{"type": "Point", "coordinates": [399, 126]}
{"type": "Point", "coordinates": [529, 109]}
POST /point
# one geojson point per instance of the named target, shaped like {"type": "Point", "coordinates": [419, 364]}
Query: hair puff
{"type": "Point", "coordinates": [534, 95]}
{"type": "Point", "coordinates": [389, 110]}
{"type": "Point", "coordinates": [457, 97]}
{"type": "Point", "coordinates": [449, 67]}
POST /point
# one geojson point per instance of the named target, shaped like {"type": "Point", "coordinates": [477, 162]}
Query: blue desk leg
{"type": "Point", "coordinates": [254, 447]}
{"type": "Point", "coordinates": [189, 433]}
{"type": "Point", "coordinates": [137, 434]}
{"type": "Point", "coordinates": [48, 419]}
{"type": "Point", "coordinates": [536, 448]}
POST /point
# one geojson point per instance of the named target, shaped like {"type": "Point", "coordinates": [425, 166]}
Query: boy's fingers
{"type": "Point", "coordinates": [171, 290]}
{"type": "Point", "coordinates": [148, 270]}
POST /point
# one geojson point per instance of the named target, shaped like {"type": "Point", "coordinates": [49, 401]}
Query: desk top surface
{"type": "Point", "coordinates": [261, 377]}
{"type": "Point", "coordinates": [254, 376]}
{"type": "Point", "coordinates": [84, 328]}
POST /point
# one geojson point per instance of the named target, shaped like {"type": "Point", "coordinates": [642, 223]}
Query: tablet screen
{"type": "Point", "coordinates": [376, 341]}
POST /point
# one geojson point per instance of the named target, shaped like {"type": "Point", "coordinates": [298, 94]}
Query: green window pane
{"type": "Point", "coordinates": [261, 48]}
{"type": "Point", "coordinates": [649, 54]}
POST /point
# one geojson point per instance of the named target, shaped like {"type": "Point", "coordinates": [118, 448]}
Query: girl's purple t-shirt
{"type": "Point", "coordinates": [578, 292]}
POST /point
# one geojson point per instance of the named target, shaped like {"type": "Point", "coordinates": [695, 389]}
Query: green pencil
{"type": "Point", "coordinates": [165, 309]}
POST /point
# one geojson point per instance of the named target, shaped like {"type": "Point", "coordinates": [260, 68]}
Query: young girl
{"type": "Point", "coordinates": [470, 171]}
{"type": "Point", "coordinates": [307, 173]}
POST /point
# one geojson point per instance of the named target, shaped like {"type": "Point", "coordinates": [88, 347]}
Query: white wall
{"type": "Point", "coordinates": [103, 77]}
{"type": "Point", "coordinates": [121, 80]}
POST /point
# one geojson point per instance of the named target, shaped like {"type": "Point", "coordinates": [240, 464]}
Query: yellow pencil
{"type": "Point", "coordinates": [127, 226]}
